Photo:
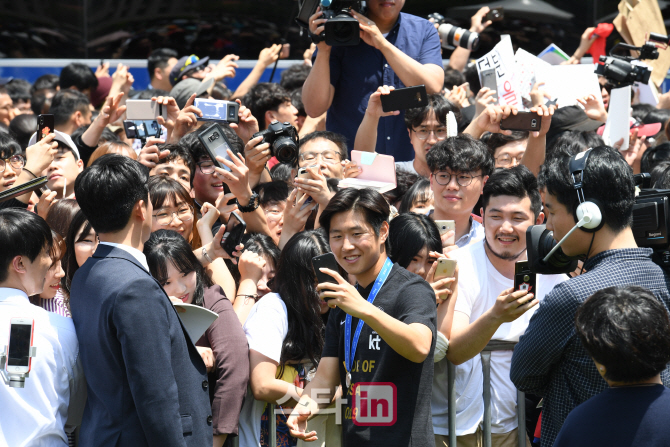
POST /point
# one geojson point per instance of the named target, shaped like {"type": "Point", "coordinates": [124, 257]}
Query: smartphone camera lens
{"type": "Point", "coordinates": [533, 123]}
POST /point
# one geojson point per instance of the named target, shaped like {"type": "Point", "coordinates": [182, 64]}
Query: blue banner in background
{"type": "Point", "coordinates": [31, 69]}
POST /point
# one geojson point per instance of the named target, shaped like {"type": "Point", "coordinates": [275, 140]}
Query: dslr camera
{"type": "Point", "coordinates": [283, 139]}
{"type": "Point", "coordinates": [340, 29]}
{"type": "Point", "coordinates": [452, 36]}
{"type": "Point", "coordinates": [620, 71]}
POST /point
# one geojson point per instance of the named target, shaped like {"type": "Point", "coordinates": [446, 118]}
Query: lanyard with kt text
{"type": "Point", "coordinates": [349, 348]}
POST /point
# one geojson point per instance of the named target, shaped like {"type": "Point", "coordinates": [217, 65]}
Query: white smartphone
{"type": "Point", "coordinates": [20, 341]}
{"type": "Point", "coordinates": [144, 109]}
{"type": "Point", "coordinates": [446, 268]}
{"type": "Point", "coordinates": [445, 226]}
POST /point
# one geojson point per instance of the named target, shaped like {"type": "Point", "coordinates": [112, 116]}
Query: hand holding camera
{"type": "Point", "coordinates": [316, 187]}
{"type": "Point", "coordinates": [187, 120]}
{"type": "Point", "coordinates": [150, 154]}
{"type": "Point", "coordinates": [257, 154]}
{"type": "Point", "coordinates": [247, 125]}
{"type": "Point", "coordinates": [511, 304]}
{"type": "Point", "coordinates": [283, 140]}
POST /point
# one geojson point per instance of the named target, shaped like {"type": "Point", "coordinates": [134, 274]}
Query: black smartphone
{"type": "Point", "coordinates": [405, 98]}
{"type": "Point", "coordinates": [524, 279]}
{"type": "Point", "coordinates": [235, 229]}
{"type": "Point", "coordinates": [495, 14]}
{"type": "Point", "coordinates": [326, 260]}
{"type": "Point", "coordinates": [216, 144]}
{"type": "Point", "coordinates": [24, 188]}
{"type": "Point", "coordinates": [528, 121]}
{"type": "Point", "coordinates": [45, 126]}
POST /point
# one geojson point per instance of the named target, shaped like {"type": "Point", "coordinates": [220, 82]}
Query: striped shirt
{"type": "Point", "coordinates": [55, 304]}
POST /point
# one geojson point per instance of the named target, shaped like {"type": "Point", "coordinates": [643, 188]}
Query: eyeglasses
{"type": "Point", "coordinates": [184, 213]}
{"type": "Point", "coordinates": [443, 178]}
{"type": "Point", "coordinates": [16, 161]}
{"type": "Point", "coordinates": [440, 133]}
{"type": "Point", "coordinates": [328, 157]}
{"type": "Point", "coordinates": [505, 160]}
{"type": "Point", "coordinates": [206, 167]}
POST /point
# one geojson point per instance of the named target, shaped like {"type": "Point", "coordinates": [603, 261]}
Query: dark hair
{"type": "Point", "coordinates": [495, 140]}
{"type": "Point", "coordinates": [566, 142]}
{"type": "Point", "coordinates": [22, 233]}
{"type": "Point", "coordinates": [607, 179]}
{"type": "Point", "coordinates": [220, 91]}
{"type": "Point", "coordinates": [660, 175]}
{"type": "Point", "coordinates": [368, 202]}
{"type": "Point", "coordinates": [516, 182]}
{"type": "Point", "coordinates": [460, 154]}
{"type": "Point", "coordinates": [192, 144]}
{"type": "Point", "coordinates": [56, 253]}
{"type": "Point", "coordinates": [263, 97]}
{"type": "Point", "coordinates": [65, 103]}
{"type": "Point", "coordinates": [639, 111]}
{"type": "Point", "coordinates": [9, 146]}
{"type": "Point", "coordinates": [409, 233]}
{"type": "Point", "coordinates": [39, 103]}
{"type": "Point", "coordinates": [437, 104]}
{"type": "Point", "coordinates": [60, 215]}
{"type": "Point", "coordinates": [627, 330]}
{"type": "Point", "coordinates": [177, 151]}
{"type": "Point", "coordinates": [70, 266]}
{"type": "Point", "coordinates": [655, 155]}
{"type": "Point", "coordinates": [472, 77]}
{"type": "Point", "coordinates": [657, 116]}
{"type": "Point", "coordinates": [108, 190]}
{"type": "Point", "coordinates": [294, 76]}
{"type": "Point", "coordinates": [419, 191]}
{"type": "Point", "coordinates": [452, 78]}
{"type": "Point", "coordinates": [159, 59]}
{"type": "Point", "coordinates": [262, 245]}
{"type": "Point", "coordinates": [296, 100]}
{"type": "Point", "coordinates": [78, 76]}
{"type": "Point", "coordinates": [404, 181]}
{"type": "Point", "coordinates": [276, 191]}
{"type": "Point", "coordinates": [166, 246]}
{"type": "Point", "coordinates": [281, 172]}
{"type": "Point", "coordinates": [18, 89]}
{"type": "Point", "coordinates": [47, 81]}
{"type": "Point", "coordinates": [22, 127]}
{"type": "Point", "coordinates": [163, 189]}
{"type": "Point", "coordinates": [339, 140]}
{"type": "Point", "coordinates": [295, 282]}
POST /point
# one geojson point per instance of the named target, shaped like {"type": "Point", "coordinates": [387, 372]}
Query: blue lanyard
{"type": "Point", "coordinates": [350, 350]}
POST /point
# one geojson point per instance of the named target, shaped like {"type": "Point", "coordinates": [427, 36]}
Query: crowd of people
{"type": "Point", "coordinates": [128, 230]}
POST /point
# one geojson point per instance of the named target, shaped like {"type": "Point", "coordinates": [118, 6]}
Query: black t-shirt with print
{"type": "Point", "coordinates": [407, 298]}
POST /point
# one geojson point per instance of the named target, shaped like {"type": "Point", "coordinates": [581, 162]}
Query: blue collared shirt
{"type": "Point", "coordinates": [358, 71]}
{"type": "Point", "coordinates": [550, 360]}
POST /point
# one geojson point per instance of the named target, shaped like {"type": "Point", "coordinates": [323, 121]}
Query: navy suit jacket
{"type": "Point", "coordinates": [147, 384]}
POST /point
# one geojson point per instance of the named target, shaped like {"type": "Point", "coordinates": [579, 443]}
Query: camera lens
{"type": "Point", "coordinates": [533, 123]}
{"type": "Point", "coordinates": [285, 149]}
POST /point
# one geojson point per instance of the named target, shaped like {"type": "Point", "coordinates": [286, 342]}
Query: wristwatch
{"type": "Point", "coordinates": [254, 202]}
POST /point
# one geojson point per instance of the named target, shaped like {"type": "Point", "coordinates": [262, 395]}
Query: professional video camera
{"type": "Point", "coordinates": [620, 70]}
{"type": "Point", "coordinates": [453, 36]}
{"type": "Point", "coordinates": [340, 29]}
{"type": "Point", "coordinates": [651, 229]}
{"type": "Point", "coordinates": [283, 139]}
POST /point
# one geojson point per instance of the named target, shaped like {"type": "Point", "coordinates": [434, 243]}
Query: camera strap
{"type": "Point", "coordinates": [577, 166]}
{"type": "Point", "coordinates": [349, 347]}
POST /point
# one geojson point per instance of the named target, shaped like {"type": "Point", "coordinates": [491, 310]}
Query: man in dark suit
{"type": "Point", "coordinates": [147, 384]}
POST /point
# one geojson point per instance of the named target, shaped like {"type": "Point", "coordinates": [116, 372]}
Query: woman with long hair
{"type": "Point", "coordinates": [52, 298]}
{"type": "Point", "coordinates": [173, 208]}
{"type": "Point", "coordinates": [172, 262]}
{"type": "Point", "coordinates": [81, 242]}
{"type": "Point", "coordinates": [285, 331]}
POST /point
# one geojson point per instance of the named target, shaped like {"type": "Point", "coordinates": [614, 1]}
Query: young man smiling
{"type": "Point", "coordinates": [426, 126]}
{"type": "Point", "coordinates": [393, 315]}
{"type": "Point", "coordinates": [488, 308]}
{"type": "Point", "coordinates": [65, 167]}
{"type": "Point", "coordinates": [459, 167]}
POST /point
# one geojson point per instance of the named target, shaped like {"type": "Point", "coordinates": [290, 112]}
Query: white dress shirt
{"type": "Point", "coordinates": [55, 390]}
{"type": "Point", "coordinates": [134, 252]}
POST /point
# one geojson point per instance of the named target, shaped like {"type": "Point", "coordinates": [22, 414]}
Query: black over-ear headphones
{"type": "Point", "coordinates": [589, 214]}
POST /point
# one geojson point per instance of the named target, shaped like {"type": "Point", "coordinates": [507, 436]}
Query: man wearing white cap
{"type": "Point", "coordinates": [65, 167]}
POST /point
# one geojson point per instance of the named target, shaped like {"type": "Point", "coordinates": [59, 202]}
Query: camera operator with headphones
{"type": "Point", "coordinates": [588, 201]}
{"type": "Point", "coordinates": [396, 49]}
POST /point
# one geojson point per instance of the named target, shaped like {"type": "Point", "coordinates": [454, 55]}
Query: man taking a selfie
{"type": "Point", "coordinates": [391, 314]}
